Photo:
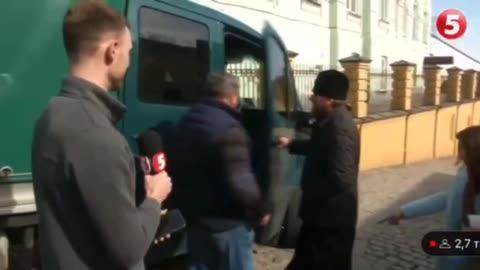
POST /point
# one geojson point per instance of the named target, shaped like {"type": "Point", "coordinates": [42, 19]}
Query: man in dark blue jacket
{"type": "Point", "coordinates": [215, 188]}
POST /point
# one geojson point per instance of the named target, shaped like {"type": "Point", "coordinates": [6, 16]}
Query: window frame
{"type": "Point", "coordinates": [416, 22]}
{"type": "Point", "coordinates": [384, 72]}
{"type": "Point", "coordinates": [353, 6]}
{"type": "Point", "coordinates": [143, 115]}
{"type": "Point", "coordinates": [384, 8]}
{"type": "Point", "coordinates": [291, 98]}
{"type": "Point", "coordinates": [317, 3]}
{"type": "Point", "coordinates": [163, 101]}
{"type": "Point", "coordinates": [426, 27]}
{"type": "Point", "coordinates": [258, 45]}
{"type": "Point", "coordinates": [405, 19]}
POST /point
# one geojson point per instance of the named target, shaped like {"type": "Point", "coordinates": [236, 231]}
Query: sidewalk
{"type": "Point", "coordinates": [381, 192]}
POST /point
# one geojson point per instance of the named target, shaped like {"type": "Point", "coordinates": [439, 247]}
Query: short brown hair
{"type": "Point", "coordinates": [85, 23]}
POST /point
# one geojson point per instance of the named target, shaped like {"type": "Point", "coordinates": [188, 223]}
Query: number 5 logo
{"type": "Point", "coordinates": [159, 162]}
{"type": "Point", "coordinates": [451, 24]}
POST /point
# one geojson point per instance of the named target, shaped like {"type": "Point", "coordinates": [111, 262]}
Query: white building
{"type": "Point", "coordinates": [322, 31]}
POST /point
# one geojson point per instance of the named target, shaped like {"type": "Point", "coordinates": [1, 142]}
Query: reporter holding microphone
{"type": "Point", "coordinates": [83, 169]}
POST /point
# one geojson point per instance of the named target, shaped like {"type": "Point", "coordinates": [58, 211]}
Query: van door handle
{"type": "Point", "coordinates": [6, 171]}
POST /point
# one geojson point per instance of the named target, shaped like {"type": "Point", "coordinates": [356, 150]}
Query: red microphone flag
{"type": "Point", "coordinates": [159, 162]}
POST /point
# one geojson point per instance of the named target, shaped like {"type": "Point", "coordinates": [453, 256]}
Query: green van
{"type": "Point", "coordinates": [176, 43]}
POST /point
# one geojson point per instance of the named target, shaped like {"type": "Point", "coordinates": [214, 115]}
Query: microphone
{"type": "Point", "coordinates": [150, 144]}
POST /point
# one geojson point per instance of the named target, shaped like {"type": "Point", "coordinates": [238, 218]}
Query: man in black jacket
{"type": "Point", "coordinates": [83, 170]}
{"type": "Point", "coordinates": [329, 181]}
{"type": "Point", "coordinates": [209, 160]}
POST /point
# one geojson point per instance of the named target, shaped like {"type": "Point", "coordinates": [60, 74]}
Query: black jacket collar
{"type": "Point", "coordinates": [220, 105]}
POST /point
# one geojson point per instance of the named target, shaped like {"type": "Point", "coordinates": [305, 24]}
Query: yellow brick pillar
{"type": "Point", "coordinates": [403, 82]}
{"type": "Point", "coordinates": [454, 84]}
{"type": "Point", "coordinates": [432, 77]}
{"type": "Point", "coordinates": [469, 84]}
{"type": "Point", "coordinates": [357, 70]}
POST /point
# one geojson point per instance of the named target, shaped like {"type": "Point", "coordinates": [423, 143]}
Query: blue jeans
{"type": "Point", "coordinates": [229, 250]}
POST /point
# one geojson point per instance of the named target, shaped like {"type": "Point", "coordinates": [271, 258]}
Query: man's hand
{"type": "Point", "coordinates": [158, 186]}
{"type": "Point", "coordinates": [395, 219]}
{"type": "Point", "coordinates": [265, 220]}
{"type": "Point", "coordinates": [164, 237]}
{"type": "Point", "coordinates": [283, 142]}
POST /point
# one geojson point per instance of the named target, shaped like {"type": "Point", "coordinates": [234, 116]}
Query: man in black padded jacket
{"type": "Point", "coordinates": [215, 188]}
{"type": "Point", "coordinates": [329, 182]}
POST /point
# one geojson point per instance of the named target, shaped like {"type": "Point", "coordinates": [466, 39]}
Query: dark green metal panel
{"type": "Point", "coordinates": [213, 15]}
{"type": "Point", "coordinates": [277, 62]}
{"type": "Point", "coordinates": [141, 115]}
{"type": "Point", "coordinates": [32, 65]}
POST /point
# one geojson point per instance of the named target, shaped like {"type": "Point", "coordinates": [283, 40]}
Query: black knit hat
{"type": "Point", "coordinates": [331, 84]}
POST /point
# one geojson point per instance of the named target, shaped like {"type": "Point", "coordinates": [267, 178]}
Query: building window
{"type": "Point", "coordinates": [416, 22]}
{"type": "Point", "coordinates": [384, 72]}
{"type": "Point", "coordinates": [314, 2]}
{"type": "Point", "coordinates": [353, 6]}
{"type": "Point", "coordinates": [384, 10]}
{"type": "Point", "coordinates": [398, 17]}
{"type": "Point", "coordinates": [405, 19]}
{"type": "Point", "coordinates": [174, 58]}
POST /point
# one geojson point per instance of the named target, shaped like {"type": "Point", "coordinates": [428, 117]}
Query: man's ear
{"type": "Point", "coordinates": [110, 52]}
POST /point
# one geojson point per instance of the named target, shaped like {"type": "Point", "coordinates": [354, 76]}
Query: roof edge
{"type": "Point", "coordinates": [456, 49]}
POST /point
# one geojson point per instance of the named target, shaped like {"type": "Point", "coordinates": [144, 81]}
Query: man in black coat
{"type": "Point", "coordinates": [215, 188]}
{"type": "Point", "coordinates": [329, 182]}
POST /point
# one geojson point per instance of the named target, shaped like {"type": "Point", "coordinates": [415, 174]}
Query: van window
{"type": "Point", "coordinates": [278, 70]}
{"type": "Point", "coordinates": [173, 58]}
{"type": "Point", "coordinates": [249, 72]}
{"type": "Point", "coordinates": [244, 60]}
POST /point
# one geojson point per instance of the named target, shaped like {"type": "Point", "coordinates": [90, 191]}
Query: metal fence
{"type": "Point", "coordinates": [249, 75]}
{"type": "Point", "coordinates": [304, 80]}
{"type": "Point", "coordinates": [379, 95]}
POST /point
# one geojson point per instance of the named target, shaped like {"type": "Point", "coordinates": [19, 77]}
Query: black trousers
{"type": "Point", "coordinates": [323, 248]}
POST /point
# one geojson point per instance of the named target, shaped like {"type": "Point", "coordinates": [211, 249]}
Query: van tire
{"type": "Point", "coordinates": [292, 223]}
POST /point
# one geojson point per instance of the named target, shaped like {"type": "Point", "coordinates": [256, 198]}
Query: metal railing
{"type": "Point", "coordinates": [379, 100]}
{"type": "Point", "coordinates": [249, 75]}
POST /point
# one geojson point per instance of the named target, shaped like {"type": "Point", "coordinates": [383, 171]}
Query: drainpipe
{"type": "Point", "coordinates": [334, 32]}
{"type": "Point", "coordinates": [367, 29]}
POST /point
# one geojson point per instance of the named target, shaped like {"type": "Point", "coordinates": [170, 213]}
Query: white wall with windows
{"type": "Point", "coordinates": [303, 24]}
{"type": "Point", "coordinates": [400, 31]}
{"type": "Point", "coordinates": [323, 31]}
